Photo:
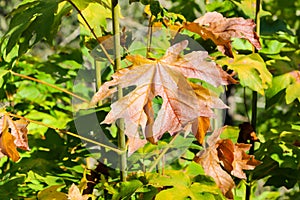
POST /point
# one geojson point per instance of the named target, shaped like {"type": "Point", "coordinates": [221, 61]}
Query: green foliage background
{"type": "Point", "coordinates": [44, 40]}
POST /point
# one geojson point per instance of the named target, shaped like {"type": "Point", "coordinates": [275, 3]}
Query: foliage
{"type": "Point", "coordinates": [55, 54]}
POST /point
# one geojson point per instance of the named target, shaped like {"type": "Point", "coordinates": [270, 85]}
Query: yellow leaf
{"type": "Point", "coordinates": [51, 193]}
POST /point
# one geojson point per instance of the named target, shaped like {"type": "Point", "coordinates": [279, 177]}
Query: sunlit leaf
{"type": "Point", "coordinates": [290, 82]}
{"type": "Point", "coordinates": [51, 193]}
{"type": "Point", "coordinates": [96, 21]}
{"type": "Point", "coordinates": [251, 70]}
{"type": "Point", "coordinates": [183, 102]}
{"type": "Point", "coordinates": [220, 30]}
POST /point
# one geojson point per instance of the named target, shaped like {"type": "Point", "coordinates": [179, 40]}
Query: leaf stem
{"type": "Point", "coordinates": [117, 66]}
{"type": "Point", "coordinates": [92, 31]}
{"type": "Point", "coordinates": [67, 132]}
{"type": "Point", "coordinates": [50, 85]}
{"type": "Point", "coordinates": [162, 154]}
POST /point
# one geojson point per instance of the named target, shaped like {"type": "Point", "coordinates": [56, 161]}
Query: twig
{"type": "Point", "coordinates": [67, 132]}
{"type": "Point", "coordinates": [161, 155]}
{"type": "Point", "coordinates": [92, 31]}
{"type": "Point", "coordinates": [50, 85]}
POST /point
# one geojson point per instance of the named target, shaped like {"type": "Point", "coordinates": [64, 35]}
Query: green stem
{"type": "Point", "coordinates": [98, 77]}
{"type": "Point", "coordinates": [117, 66]}
{"type": "Point", "coordinates": [254, 105]}
{"type": "Point", "coordinates": [162, 154]}
{"type": "Point", "coordinates": [149, 36]}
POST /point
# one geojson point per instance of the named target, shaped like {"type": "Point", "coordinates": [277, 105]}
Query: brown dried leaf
{"type": "Point", "coordinates": [210, 162]}
{"type": "Point", "coordinates": [201, 125]}
{"type": "Point", "coordinates": [9, 141]}
{"type": "Point", "coordinates": [75, 194]}
{"type": "Point", "coordinates": [183, 102]}
{"type": "Point", "coordinates": [220, 30]}
{"type": "Point", "coordinates": [221, 157]}
{"type": "Point", "coordinates": [243, 161]}
{"type": "Point", "coordinates": [19, 131]}
{"type": "Point", "coordinates": [225, 153]}
{"type": "Point", "coordinates": [7, 145]}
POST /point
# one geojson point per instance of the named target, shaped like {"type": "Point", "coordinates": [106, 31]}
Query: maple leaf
{"type": "Point", "coordinates": [17, 137]}
{"type": "Point", "coordinates": [290, 82]}
{"type": "Point", "coordinates": [183, 102]}
{"type": "Point", "coordinates": [251, 69]}
{"type": "Point", "coordinates": [220, 30]}
{"type": "Point", "coordinates": [221, 157]}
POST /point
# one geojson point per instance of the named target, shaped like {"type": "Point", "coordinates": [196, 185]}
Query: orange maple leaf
{"type": "Point", "coordinates": [221, 157]}
{"type": "Point", "coordinates": [183, 102]}
{"type": "Point", "coordinates": [220, 30]}
{"type": "Point", "coordinates": [13, 135]}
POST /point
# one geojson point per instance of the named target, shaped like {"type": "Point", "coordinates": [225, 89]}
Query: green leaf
{"type": "Point", "coordinates": [194, 169]}
{"type": "Point", "coordinates": [170, 178]}
{"type": "Point", "coordinates": [82, 4]}
{"type": "Point", "coordinates": [200, 191]}
{"type": "Point", "coordinates": [271, 47]}
{"type": "Point", "coordinates": [289, 81]}
{"type": "Point", "coordinates": [249, 7]}
{"type": "Point", "coordinates": [31, 22]}
{"type": "Point", "coordinates": [52, 193]}
{"type": "Point", "coordinates": [2, 73]}
{"type": "Point", "coordinates": [278, 83]}
{"type": "Point", "coordinates": [126, 189]}
{"type": "Point", "coordinates": [252, 71]}
{"type": "Point", "coordinates": [292, 92]}
{"type": "Point", "coordinates": [97, 21]}
{"type": "Point", "coordinates": [178, 193]}
{"type": "Point", "coordinates": [155, 8]}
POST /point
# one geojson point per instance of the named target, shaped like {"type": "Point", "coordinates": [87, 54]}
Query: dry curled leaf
{"type": "Point", "coordinates": [13, 136]}
{"type": "Point", "coordinates": [75, 194]}
{"type": "Point", "coordinates": [210, 162]}
{"type": "Point", "coordinates": [221, 29]}
{"type": "Point", "coordinates": [221, 157]}
{"type": "Point", "coordinates": [183, 102]}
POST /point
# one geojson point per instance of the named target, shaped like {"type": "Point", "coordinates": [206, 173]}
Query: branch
{"type": "Point", "coordinates": [68, 133]}
{"type": "Point", "coordinates": [50, 85]}
{"type": "Point", "coordinates": [92, 31]}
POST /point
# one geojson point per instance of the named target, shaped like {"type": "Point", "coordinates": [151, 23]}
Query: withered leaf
{"type": "Point", "coordinates": [202, 124]}
{"type": "Point", "coordinates": [16, 138]}
{"type": "Point", "coordinates": [75, 194]}
{"type": "Point", "coordinates": [183, 102]}
{"type": "Point", "coordinates": [221, 157]}
{"type": "Point", "coordinates": [220, 30]}
{"type": "Point", "coordinates": [243, 161]}
{"type": "Point", "coordinates": [210, 162]}
{"type": "Point", "coordinates": [7, 146]}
